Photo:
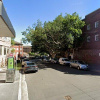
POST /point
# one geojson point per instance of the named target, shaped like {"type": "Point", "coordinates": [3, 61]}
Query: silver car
{"type": "Point", "coordinates": [30, 66]}
{"type": "Point", "coordinates": [79, 64]}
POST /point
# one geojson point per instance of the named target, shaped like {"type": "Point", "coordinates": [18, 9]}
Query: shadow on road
{"type": "Point", "coordinates": [65, 69]}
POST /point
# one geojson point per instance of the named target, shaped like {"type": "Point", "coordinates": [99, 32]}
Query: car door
{"type": "Point", "coordinates": [72, 63]}
{"type": "Point", "coordinates": [76, 64]}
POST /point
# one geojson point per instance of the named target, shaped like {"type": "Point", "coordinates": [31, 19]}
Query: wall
{"type": "Point", "coordinates": [90, 51]}
{"type": "Point", "coordinates": [5, 42]}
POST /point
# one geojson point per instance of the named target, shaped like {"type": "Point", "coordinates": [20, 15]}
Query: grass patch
{"type": "Point", "coordinates": [19, 66]}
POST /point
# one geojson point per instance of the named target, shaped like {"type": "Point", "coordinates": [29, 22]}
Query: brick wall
{"type": "Point", "coordinates": [89, 56]}
{"type": "Point", "coordinates": [90, 51]}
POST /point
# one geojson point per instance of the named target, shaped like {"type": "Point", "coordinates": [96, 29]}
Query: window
{"type": "Point", "coordinates": [88, 27]}
{"type": "Point", "coordinates": [96, 37]}
{"type": "Point", "coordinates": [0, 50]}
{"type": "Point", "coordinates": [96, 24]}
{"type": "Point", "coordinates": [8, 51]}
{"type": "Point", "coordinates": [20, 48]}
{"type": "Point", "coordinates": [4, 51]}
{"type": "Point", "coordinates": [88, 39]}
{"type": "Point", "coordinates": [17, 48]}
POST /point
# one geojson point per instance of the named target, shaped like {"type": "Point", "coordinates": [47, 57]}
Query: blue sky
{"type": "Point", "coordinates": [24, 13]}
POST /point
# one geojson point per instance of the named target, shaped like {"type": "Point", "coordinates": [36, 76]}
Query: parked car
{"type": "Point", "coordinates": [30, 66]}
{"type": "Point", "coordinates": [79, 64]}
{"type": "Point", "coordinates": [23, 61]}
{"type": "Point", "coordinates": [64, 61]}
{"type": "Point", "coordinates": [55, 60]}
{"type": "Point", "coordinates": [46, 59]}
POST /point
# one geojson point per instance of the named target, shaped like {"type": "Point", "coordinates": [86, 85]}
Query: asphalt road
{"type": "Point", "coordinates": [57, 82]}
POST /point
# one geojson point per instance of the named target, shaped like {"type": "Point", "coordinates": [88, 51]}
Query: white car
{"type": "Point", "coordinates": [64, 61]}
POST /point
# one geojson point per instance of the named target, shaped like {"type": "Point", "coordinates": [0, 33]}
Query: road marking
{"type": "Point", "coordinates": [19, 91]}
{"type": "Point", "coordinates": [24, 89]}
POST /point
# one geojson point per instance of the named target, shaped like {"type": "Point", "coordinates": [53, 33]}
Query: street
{"type": "Point", "coordinates": [57, 82]}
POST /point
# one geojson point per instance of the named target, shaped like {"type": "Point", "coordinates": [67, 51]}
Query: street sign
{"type": "Point", "coordinates": [10, 63]}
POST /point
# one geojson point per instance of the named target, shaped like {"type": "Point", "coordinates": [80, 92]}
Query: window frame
{"type": "Point", "coordinates": [0, 49]}
{"type": "Point", "coordinates": [96, 24]}
{"type": "Point", "coordinates": [5, 50]}
{"type": "Point", "coordinates": [97, 37]}
{"type": "Point", "coordinates": [88, 27]}
{"type": "Point", "coordinates": [88, 38]}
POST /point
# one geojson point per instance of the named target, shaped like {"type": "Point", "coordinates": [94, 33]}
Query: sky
{"type": "Point", "coordinates": [24, 13]}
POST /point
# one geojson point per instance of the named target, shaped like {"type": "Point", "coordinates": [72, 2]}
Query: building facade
{"type": "Point", "coordinates": [5, 43]}
{"type": "Point", "coordinates": [90, 50]}
{"type": "Point", "coordinates": [18, 50]}
{"type": "Point", "coordinates": [6, 32]}
{"type": "Point", "coordinates": [27, 49]}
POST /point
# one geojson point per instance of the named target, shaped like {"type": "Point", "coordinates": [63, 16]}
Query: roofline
{"type": "Point", "coordinates": [18, 43]}
{"type": "Point", "coordinates": [6, 19]}
{"type": "Point", "coordinates": [92, 12]}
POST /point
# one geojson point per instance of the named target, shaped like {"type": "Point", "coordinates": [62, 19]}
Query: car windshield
{"type": "Point", "coordinates": [30, 64]}
{"type": "Point", "coordinates": [81, 62]}
{"type": "Point", "coordinates": [65, 59]}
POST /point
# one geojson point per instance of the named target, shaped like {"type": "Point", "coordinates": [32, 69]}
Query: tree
{"type": "Point", "coordinates": [55, 36]}
{"type": "Point", "coordinates": [12, 41]}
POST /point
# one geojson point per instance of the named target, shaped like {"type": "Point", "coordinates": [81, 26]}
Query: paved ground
{"type": "Point", "coordinates": [54, 82]}
{"type": "Point", "coordinates": [9, 91]}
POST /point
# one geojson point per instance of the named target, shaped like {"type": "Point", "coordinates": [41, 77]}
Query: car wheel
{"type": "Point", "coordinates": [78, 68]}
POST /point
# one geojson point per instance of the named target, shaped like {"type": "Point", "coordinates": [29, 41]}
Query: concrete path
{"type": "Point", "coordinates": [9, 91]}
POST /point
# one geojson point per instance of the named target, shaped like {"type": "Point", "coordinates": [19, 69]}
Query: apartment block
{"type": "Point", "coordinates": [18, 50]}
{"type": "Point", "coordinates": [90, 50]}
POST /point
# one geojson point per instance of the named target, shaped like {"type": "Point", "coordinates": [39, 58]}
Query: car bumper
{"type": "Point", "coordinates": [30, 69]}
{"type": "Point", "coordinates": [85, 68]}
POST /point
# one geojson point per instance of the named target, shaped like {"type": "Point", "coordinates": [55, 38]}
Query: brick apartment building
{"type": "Point", "coordinates": [18, 50]}
{"type": "Point", "coordinates": [90, 50]}
{"type": "Point", "coordinates": [27, 49]}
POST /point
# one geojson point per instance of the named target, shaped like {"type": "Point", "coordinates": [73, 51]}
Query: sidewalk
{"type": "Point", "coordinates": [9, 91]}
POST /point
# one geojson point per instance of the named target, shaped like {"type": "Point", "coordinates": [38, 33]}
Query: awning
{"type": "Point", "coordinates": [6, 28]}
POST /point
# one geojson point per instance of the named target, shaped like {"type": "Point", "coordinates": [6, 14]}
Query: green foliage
{"type": "Point", "coordinates": [55, 36]}
{"type": "Point", "coordinates": [12, 41]}
{"type": "Point", "coordinates": [13, 50]}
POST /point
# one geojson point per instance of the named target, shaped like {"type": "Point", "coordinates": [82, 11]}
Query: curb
{"type": "Point", "coordinates": [23, 91]}
{"type": "Point", "coordinates": [95, 70]}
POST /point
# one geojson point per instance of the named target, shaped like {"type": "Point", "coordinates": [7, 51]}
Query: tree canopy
{"type": "Point", "coordinates": [55, 36]}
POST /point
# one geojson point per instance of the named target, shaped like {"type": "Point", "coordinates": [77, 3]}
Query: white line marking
{"type": "Point", "coordinates": [19, 91]}
{"type": "Point", "coordinates": [24, 89]}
